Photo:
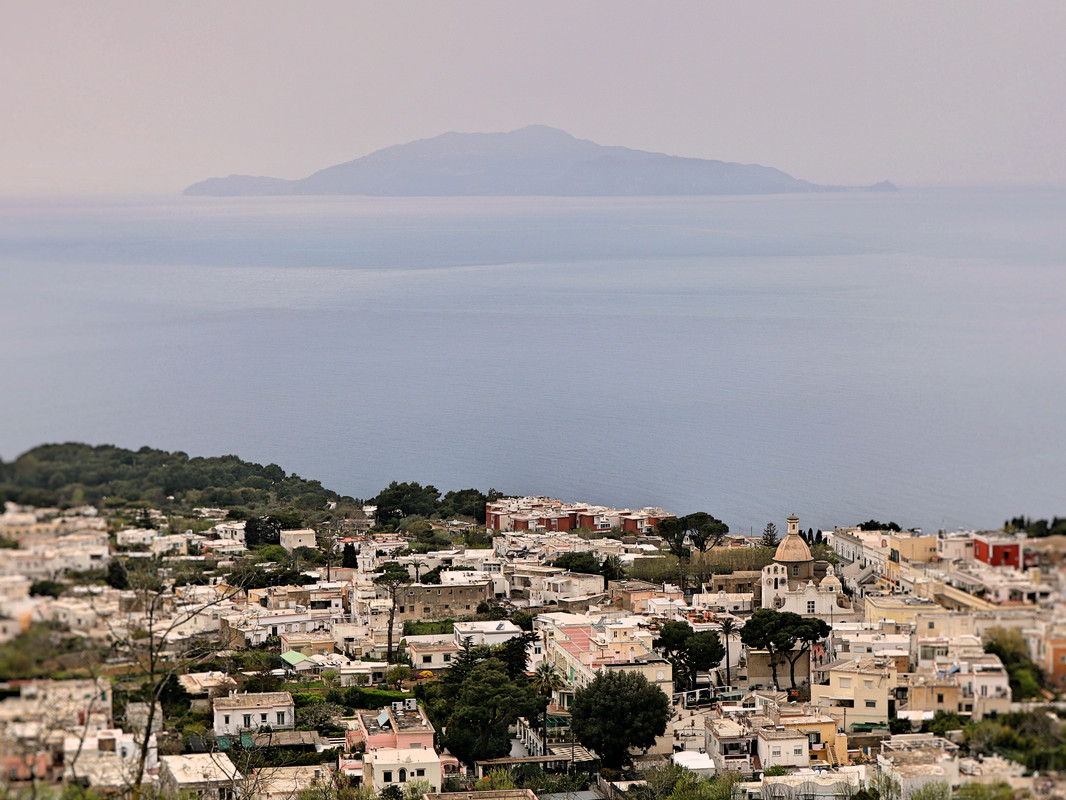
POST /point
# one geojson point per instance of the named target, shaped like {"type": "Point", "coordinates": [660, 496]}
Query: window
{"type": "Point", "coordinates": [263, 718]}
{"type": "Point", "coordinates": [776, 752]}
{"type": "Point", "coordinates": [810, 606]}
{"type": "Point", "coordinates": [871, 704]}
{"type": "Point", "coordinates": [795, 570]}
{"type": "Point", "coordinates": [447, 657]}
{"type": "Point", "coordinates": [247, 720]}
{"type": "Point", "coordinates": [868, 684]}
{"type": "Point", "coordinates": [427, 659]}
{"type": "Point", "coordinates": [225, 719]}
{"type": "Point", "coordinates": [386, 776]}
{"type": "Point", "coordinates": [940, 698]}
{"type": "Point", "coordinates": [845, 683]}
{"type": "Point", "coordinates": [281, 718]}
{"type": "Point", "coordinates": [420, 772]}
{"type": "Point", "coordinates": [797, 751]}
{"type": "Point", "coordinates": [400, 609]}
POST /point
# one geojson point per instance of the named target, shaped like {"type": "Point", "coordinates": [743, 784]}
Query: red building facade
{"type": "Point", "coordinates": [998, 550]}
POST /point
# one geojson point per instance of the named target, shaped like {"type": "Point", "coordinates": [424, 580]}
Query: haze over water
{"type": "Point", "coordinates": [841, 356]}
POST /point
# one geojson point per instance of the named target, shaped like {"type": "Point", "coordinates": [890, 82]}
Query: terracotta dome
{"type": "Point", "coordinates": [793, 549]}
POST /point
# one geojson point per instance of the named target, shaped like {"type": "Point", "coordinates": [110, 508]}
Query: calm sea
{"type": "Point", "coordinates": [842, 356]}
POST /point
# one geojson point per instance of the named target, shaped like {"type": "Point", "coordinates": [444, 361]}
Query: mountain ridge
{"type": "Point", "coordinates": [535, 160]}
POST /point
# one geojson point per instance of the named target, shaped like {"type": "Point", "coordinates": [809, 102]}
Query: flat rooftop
{"type": "Point", "coordinates": [255, 700]}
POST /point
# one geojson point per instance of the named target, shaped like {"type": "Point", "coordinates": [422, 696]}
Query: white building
{"type": "Point", "coordinates": [304, 537]}
{"type": "Point", "coordinates": [243, 712]}
{"type": "Point", "coordinates": [135, 537]}
{"type": "Point", "coordinates": [955, 546]}
{"type": "Point", "coordinates": [466, 576]}
{"type": "Point", "coordinates": [230, 531]}
{"type": "Point", "coordinates": [489, 633]}
{"type": "Point", "coordinates": [252, 627]}
{"type": "Point", "coordinates": [174, 544]}
{"type": "Point", "coordinates": [385, 766]}
{"type": "Point", "coordinates": [791, 582]}
{"type": "Point", "coordinates": [782, 748]}
{"type": "Point", "coordinates": [208, 776]}
{"type": "Point", "coordinates": [565, 586]}
{"type": "Point", "coordinates": [432, 655]}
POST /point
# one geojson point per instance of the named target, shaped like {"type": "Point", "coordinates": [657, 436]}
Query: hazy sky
{"type": "Point", "coordinates": [130, 97]}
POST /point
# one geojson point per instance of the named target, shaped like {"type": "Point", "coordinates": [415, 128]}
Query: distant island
{"type": "Point", "coordinates": [536, 160]}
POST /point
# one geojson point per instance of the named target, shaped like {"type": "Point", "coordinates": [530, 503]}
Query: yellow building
{"type": "Point", "coordinates": [913, 547]}
{"type": "Point", "coordinates": [901, 609]}
{"type": "Point", "coordinates": [859, 691]}
{"type": "Point", "coordinates": [929, 693]}
{"type": "Point", "coordinates": [828, 746]}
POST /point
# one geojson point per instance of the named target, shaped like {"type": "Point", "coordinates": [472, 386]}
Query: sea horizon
{"type": "Point", "coordinates": [838, 355]}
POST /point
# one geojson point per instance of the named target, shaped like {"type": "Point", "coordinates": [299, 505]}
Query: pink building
{"type": "Point", "coordinates": [398, 734]}
{"type": "Point", "coordinates": [404, 729]}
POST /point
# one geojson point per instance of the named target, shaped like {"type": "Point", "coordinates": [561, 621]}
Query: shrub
{"type": "Point", "coordinates": [304, 699]}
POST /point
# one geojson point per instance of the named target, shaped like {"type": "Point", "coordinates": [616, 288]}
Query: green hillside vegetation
{"type": "Point", "coordinates": [72, 474]}
{"type": "Point", "coordinates": [400, 503]}
{"type": "Point", "coordinates": [127, 483]}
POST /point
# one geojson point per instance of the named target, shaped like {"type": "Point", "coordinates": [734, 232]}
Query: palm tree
{"type": "Point", "coordinates": [546, 679]}
{"type": "Point", "coordinates": [727, 628]}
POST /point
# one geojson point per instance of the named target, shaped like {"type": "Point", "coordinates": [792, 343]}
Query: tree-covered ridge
{"type": "Point", "coordinates": [72, 474]}
{"type": "Point", "coordinates": [1036, 529]}
{"type": "Point", "coordinates": [403, 501]}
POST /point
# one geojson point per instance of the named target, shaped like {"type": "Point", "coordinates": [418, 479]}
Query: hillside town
{"type": "Point", "coordinates": [556, 649]}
